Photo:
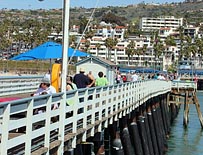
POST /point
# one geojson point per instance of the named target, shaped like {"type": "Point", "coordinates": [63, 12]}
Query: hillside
{"type": "Point", "coordinates": [193, 12]}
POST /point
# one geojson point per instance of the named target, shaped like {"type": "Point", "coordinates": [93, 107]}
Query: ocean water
{"type": "Point", "coordinates": [187, 141]}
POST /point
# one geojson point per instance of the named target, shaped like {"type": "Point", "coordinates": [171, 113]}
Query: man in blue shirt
{"type": "Point", "coordinates": [81, 80]}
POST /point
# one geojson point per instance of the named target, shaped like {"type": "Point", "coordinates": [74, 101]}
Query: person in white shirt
{"type": "Point", "coordinates": [161, 77]}
{"type": "Point", "coordinates": [134, 77]}
{"type": "Point", "coordinates": [45, 88]}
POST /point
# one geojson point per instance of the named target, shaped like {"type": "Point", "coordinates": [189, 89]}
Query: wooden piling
{"type": "Point", "coordinates": [196, 102]}
{"type": "Point", "coordinates": [142, 132]}
{"type": "Point", "coordinates": [190, 97]}
{"type": "Point", "coordinates": [186, 110]}
{"type": "Point", "coordinates": [136, 139]}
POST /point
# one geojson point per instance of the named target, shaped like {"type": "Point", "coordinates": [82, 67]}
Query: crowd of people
{"type": "Point", "coordinates": [82, 80]}
{"type": "Point", "coordinates": [133, 76]}
{"type": "Point", "coordinates": [79, 80]}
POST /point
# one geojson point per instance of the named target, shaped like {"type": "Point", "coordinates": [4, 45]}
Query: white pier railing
{"type": "Point", "coordinates": [184, 84]}
{"type": "Point", "coordinates": [10, 85]}
{"type": "Point", "coordinates": [84, 112]}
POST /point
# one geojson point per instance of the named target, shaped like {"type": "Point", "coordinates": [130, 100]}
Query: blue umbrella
{"type": "Point", "coordinates": [23, 58]}
{"type": "Point", "coordinates": [48, 50]}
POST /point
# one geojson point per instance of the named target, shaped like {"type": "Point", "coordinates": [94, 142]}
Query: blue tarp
{"type": "Point", "coordinates": [48, 50]}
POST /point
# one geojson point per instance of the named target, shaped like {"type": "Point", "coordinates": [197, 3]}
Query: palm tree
{"type": "Point", "coordinates": [130, 50]}
{"type": "Point", "coordinates": [126, 34]}
{"type": "Point", "coordinates": [98, 45]}
{"type": "Point", "coordinates": [110, 43]}
{"type": "Point", "coordinates": [138, 52]}
{"type": "Point", "coordinates": [83, 23]}
{"type": "Point", "coordinates": [87, 45]}
{"type": "Point", "coordinates": [199, 44]}
{"type": "Point", "coordinates": [143, 52]}
{"type": "Point", "coordinates": [181, 37]}
{"type": "Point", "coordinates": [89, 34]}
{"type": "Point", "coordinates": [187, 47]}
{"type": "Point", "coordinates": [72, 40]}
{"type": "Point", "coordinates": [158, 48]}
{"type": "Point", "coordinates": [169, 41]}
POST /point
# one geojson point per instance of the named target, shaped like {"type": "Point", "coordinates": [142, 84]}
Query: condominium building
{"type": "Point", "coordinates": [152, 23]}
{"type": "Point", "coordinates": [191, 31]}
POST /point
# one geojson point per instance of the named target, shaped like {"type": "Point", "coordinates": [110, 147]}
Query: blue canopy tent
{"type": "Point", "coordinates": [48, 50]}
{"type": "Point", "coordinates": [138, 70]}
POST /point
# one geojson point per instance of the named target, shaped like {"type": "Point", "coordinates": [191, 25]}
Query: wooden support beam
{"type": "Point", "coordinates": [190, 97]}
{"type": "Point", "coordinates": [175, 102]}
{"type": "Point", "coordinates": [198, 110]}
{"type": "Point", "coordinates": [186, 110]}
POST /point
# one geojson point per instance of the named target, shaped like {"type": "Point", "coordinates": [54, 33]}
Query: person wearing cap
{"type": "Point", "coordinates": [81, 80]}
{"type": "Point", "coordinates": [45, 88]}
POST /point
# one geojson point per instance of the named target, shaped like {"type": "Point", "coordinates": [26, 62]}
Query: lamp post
{"type": "Point", "coordinates": [65, 44]}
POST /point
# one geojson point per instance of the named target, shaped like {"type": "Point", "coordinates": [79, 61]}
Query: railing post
{"type": "Point", "coordinates": [48, 123]}
{"type": "Point", "coordinates": [29, 126]}
{"type": "Point", "coordinates": [5, 129]}
{"type": "Point", "coordinates": [62, 108]}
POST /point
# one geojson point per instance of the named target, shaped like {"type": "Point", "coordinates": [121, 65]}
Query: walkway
{"type": "Point", "coordinates": [37, 133]}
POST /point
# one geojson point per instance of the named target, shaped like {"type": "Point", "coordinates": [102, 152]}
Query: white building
{"type": "Point", "coordinates": [151, 23]}
{"type": "Point", "coordinates": [192, 31]}
{"type": "Point", "coordinates": [97, 64]}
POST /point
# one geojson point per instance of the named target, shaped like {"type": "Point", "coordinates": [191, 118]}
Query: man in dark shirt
{"type": "Point", "coordinates": [81, 80]}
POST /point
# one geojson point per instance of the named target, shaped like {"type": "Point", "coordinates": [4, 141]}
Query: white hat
{"type": "Point", "coordinates": [45, 80]}
{"type": "Point", "coordinates": [82, 69]}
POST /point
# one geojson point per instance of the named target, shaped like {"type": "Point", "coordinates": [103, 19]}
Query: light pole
{"type": "Point", "coordinates": [66, 9]}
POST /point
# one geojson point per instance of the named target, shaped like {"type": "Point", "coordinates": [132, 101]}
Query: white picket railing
{"type": "Point", "coordinates": [10, 85]}
{"type": "Point", "coordinates": [22, 131]}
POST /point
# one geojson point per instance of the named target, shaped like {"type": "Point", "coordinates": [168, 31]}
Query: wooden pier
{"type": "Point", "coordinates": [183, 92]}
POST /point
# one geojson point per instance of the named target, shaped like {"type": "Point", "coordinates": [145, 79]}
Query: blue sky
{"type": "Point", "coordinates": [49, 4]}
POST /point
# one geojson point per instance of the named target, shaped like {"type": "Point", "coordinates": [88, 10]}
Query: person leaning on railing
{"type": "Point", "coordinates": [45, 87]}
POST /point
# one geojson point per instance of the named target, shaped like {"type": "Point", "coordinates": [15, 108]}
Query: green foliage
{"type": "Point", "coordinates": [83, 23]}
{"type": "Point", "coordinates": [113, 19]}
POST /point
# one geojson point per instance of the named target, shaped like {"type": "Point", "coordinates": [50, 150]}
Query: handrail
{"type": "Point", "coordinates": [11, 85]}
{"type": "Point", "coordinates": [31, 131]}
{"type": "Point", "coordinates": [184, 84]}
